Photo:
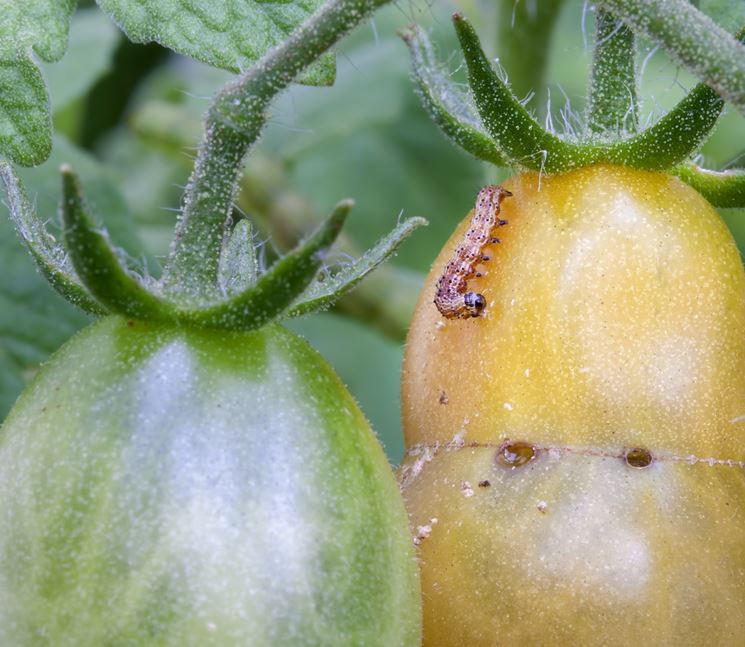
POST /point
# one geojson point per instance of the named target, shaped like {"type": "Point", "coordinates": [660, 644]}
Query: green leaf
{"type": "Point", "coordinates": [326, 290]}
{"type": "Point", "coordinates": [230, 34]}
{"type": "Point", "coordinates": [25, 121]}
{"type": "Point", "coordinates": [448, 104]}
{"type": "Point", "coordinates": [38, 26]}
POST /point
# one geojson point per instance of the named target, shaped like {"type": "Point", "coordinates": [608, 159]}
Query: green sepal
{"type": "Point", "coordinates": [723, 189]}
{"type": "Point", "coordinates": [517, 135]}
{"type": "Point", "coordinates": [275, 290]}
{"type": "Point", "coordinates": [98, 265]}
{"type": "Point", "coordinates": [674, 138]}
{"type": "Point", "coordinates": [238, 264]}
{"type": "Point", "coordinates": [324, 292]}
{"type": "Point", "coordinates": [670, 141]}
{"type": "Point", "coordinates": [446, 103]}
{"type": "Point", "coordinates": [50, 256]}
{"type": "Point", "coordinates": [118, 291]}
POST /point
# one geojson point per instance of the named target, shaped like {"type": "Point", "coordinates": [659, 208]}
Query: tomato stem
{"type": "Point", "coordinates": [234, 122]}
{"type": "Point", "coordinates": [612, 101]}
{"type": "Point", "coordinates": [692, 38]}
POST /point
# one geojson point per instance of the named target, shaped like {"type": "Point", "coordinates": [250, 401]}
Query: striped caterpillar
{"type": "Point", "coordinates": [452, 298]}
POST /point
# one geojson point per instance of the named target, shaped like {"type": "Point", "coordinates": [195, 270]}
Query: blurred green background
{"type": "Point", "coordinates": [129, 117]}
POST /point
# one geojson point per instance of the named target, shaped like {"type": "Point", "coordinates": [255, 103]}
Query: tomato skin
{"type": "Point", "coordinates": [165, 486]}
{"type": "Point", "coordinates": [615, 319]}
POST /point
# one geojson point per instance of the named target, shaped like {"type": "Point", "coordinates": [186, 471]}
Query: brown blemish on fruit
{"type": "Point", "coordinates": [638, 458]}
{"type": "Point", "coordinates": [425, 453]}
{"type": "Point", "coordinates": [443, 397]}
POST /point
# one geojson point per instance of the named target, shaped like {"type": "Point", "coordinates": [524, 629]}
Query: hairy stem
{"type": "Point", "coordinates": [234, 122]}
{"type": "Point", "coordinates": [612, 92]}
{"type": "Point", "coordinates": [692, 39]}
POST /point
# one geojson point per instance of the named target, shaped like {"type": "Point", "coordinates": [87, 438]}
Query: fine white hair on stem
{"type": "Point", "coordinates": [549, 117]}
{"type": "Point", "coordinates": [645, 62]}
{"type": "Point", "coordinates": [583, 25]}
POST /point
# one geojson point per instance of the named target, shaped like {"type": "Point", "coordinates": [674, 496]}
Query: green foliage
{"type": "Point", "coordinates": [32, 26]}
{"type": "Point", "coordinates": [230, 34]}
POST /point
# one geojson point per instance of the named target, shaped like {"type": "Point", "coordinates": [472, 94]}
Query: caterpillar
{"type": "Point", "coordinates": [452, 297]}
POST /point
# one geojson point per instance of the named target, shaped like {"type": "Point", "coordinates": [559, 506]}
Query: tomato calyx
{"type": "Point", "coordinates": [493, 125]}
{"type": "Point", "coordinates": [89, 272]}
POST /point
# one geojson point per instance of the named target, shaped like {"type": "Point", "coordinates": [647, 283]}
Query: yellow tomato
{"type": "Point", "coordinates": [576, 455]}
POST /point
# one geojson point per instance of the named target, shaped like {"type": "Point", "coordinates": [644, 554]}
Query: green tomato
{"type": "Point", "coordinates": [165, 486]}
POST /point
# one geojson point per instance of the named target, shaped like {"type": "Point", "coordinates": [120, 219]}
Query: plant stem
{"type": "Point", "coordinates": [612, 92]}
{"type": "Point", "coordinates": [234, 122]}
{"type": "Point", "coordinates": [692, 39]}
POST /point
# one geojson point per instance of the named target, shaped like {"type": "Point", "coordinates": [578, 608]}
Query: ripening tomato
{"type": "Point", "coordinates": [576, 455]}
{"type": "Point", "coordinates": [175, 487]}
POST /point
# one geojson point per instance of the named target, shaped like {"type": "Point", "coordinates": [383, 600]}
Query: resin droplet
{"type": "Point", "coordinates": [638, 458]}
{"type": "Point", "coordinates": [515, 454]}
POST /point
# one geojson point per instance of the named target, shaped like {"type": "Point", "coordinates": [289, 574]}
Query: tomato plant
{"type": "Point", "coordinates": [185, 471]}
